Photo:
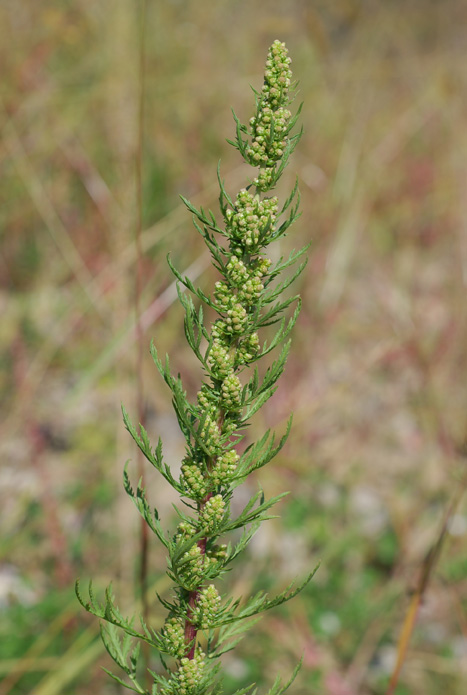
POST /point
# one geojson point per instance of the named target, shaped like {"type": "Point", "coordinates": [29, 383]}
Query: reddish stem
{"type": "Point", "coordinates": [190, 627]}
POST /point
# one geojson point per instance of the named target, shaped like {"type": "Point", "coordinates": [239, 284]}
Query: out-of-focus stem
{"type": "Point", "coordinates": [144, 529]}
{"type": "Point", "coordinates": [427, 568]}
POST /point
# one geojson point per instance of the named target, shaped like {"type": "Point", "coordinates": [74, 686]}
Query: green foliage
{"type": "Point", "coordinates": [201, 623]}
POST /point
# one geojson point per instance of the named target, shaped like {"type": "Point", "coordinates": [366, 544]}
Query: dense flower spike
{"type": "Point", "coordinates": [231, 392]}
{"type": "Point", "coordinates": [247, 349]}
{"type": "Point", "coordinates": [270, 125]}
{"type": "Point", "coordinates": [190, 673]}
{"type": "Point", "coordinates": [194, 481]}
{"type": "Point", "coordinates": [191, 571]}
{"type": "Point", "coordinates": [246, 299]}
{"type": "Point", "coordinates": [220, 360]}
{"type": "Point", "coordinates": [174, 637]}
{"type": "Point", "coordinates": [211, 514]}
{"type": "Point", "coordinates": [248, 226]}
{"type": "Point", "coordinates": [207, 607]}
{"type": "Point", "coordinates": [224, 468]}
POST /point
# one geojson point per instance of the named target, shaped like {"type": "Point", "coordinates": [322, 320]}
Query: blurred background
{"type": "Point", "coordinates": [376, 377]}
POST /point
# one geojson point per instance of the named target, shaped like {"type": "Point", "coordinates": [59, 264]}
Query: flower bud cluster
{"type": "Point", "coordinates": [248, 223]}
{"type": "Point", "coordinates": [236, 271]}
{"type": "Point", "coordinates": [223, 295]}
{"type": "Point", "coordinates": [236, 319]}
{"type": "Point", "coordinates": [211, 434]}
{"type": "Point", "coordinates": [251, 291]}
{"type": "Point", "coordinates": [207, 607]}
{"type": "Point", "coordinates": [206, 399]}
{"type": "Point", "coordinates": [214, 558]}
{"type": "Point", "coordinates": [278, 75]}
{"type": "Point", "coordinates": [269, 130]}
{"type": "Point", "coordinates": [247, 349]}
{"type": "Point", "coordinates": [174, 637]}
{"type": "Point", "coordinates": [225, 467]}
{"type": "Point", "coordinates": [231, 392]}
{"type": "Point", "coordinates": [212, 514]}
{"type": "Point", "coordinates": [190, 673]}
{"type": "Point", "coordinates": [219, 331]}
{"type": "Point", "coordinates": [191, 571]}
{"type": "Point", "coordinates": [220, 360]}
{"type": "Point", "coordinates": [184, 531]}
{"type": "Point", "coordinates": [270, 125]}
{"type": "Point", "coordinates": [193, 480]}
{"type": "Point", "coordinates": [265, 178]}
{"type": "Point", "coordinates": [248, 280]}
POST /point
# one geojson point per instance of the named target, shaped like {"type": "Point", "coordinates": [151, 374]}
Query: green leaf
{"type": "Point", "coordinates": [239, 143]}
{"type": "Point", "coordinates": [189, 285]}
{"type": "Point", "coordinates": [222, 192]}
{"type": "Point", "coordinates": [282, 265]}
{"type": "Point", "coordinates": [251, 513]}
{"type": "Point", "coordinates": [270, 296]}
{"type": "Point", "coordinates": [247, 691]}
{"type": "Point", "coordinates": [139, 499]}
{"type": "Point", "coordinates": [230, 635]}
{"type": "Point", "coordinates": [155, 458]}
{"type": "Point", "coordinates": [278, 688]}
{"type": "Point", "coordinates": [109, 612]}
{"type": "Point", "coordinates": [272, 316]}
{"type": "Point", "coordinates": [259, 603]}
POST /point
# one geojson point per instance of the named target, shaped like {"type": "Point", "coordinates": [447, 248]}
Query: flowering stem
{"type": "Point", "coordinates": [246, 299]}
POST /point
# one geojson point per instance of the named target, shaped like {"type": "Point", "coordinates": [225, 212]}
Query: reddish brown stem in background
{"type": "Point", "coordinates": [62, 567]}
{"type": "Point", "coordinates": [427, 568]}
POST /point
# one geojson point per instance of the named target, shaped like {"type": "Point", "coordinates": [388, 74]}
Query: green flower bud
{"type": "Point", "coordinates": [224, 468]}
{"type": "Point", "coordinates": [207, 607]}
{"type": "Point", "coordinates": [212, 514]}
{"type": "Point", "coordinates": [193, 481]}
{"type": "Point", "coordinates": [236, 271]}
{"type": "Point", "coordinates": [211, 435]}
{"type": "Point", "coordinates": [220, 361]}
{"type": "Point", "coordinates": [223, 295]}
{"type": "Point", "coordinates": [231, 392]}
{"type": "Point", "coordinates": [236, 319]}
{"type": "Point", "coordinates": [190, 672]}
{"type": "Point", "coordinates": [265, 179]}
{"type": "Point", "coordinates": [173, 634]}
{"type": "Point", "coordinates": [184, 531]}
{"type": "Point", "coordinates": [207, 400]}
{"type": "Point", "coordinates": [191, 572]}
{"type": "Point", "coordinates": [251, 291]}
{"type": "Point", "coordinates": [247, 349]}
